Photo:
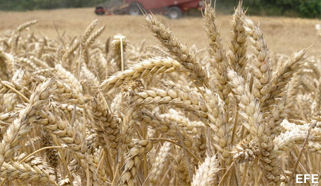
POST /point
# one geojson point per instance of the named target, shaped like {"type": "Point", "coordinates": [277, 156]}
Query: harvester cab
{"type": "Point", "coordinates": [174, 9]}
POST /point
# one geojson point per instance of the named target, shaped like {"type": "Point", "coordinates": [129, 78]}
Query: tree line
{"type": "Point", "coordinates": [22, 5]}
{"type": "Point", "coordinates": [293, 8]}
{"type": "Point", "coordinates": [297, 8]}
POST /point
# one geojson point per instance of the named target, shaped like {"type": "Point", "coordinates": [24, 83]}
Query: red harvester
{"type": "Point", "coordinates": [172, 8]}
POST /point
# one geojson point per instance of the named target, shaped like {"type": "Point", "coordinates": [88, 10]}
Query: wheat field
{"type": "Point", "coordinates": [107, 104]}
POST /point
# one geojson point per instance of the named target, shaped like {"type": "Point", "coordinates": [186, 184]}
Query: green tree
{"type": "Point", "coordinates": [20, 5]}
{"type": "Point", "coordinates": [310, 8]}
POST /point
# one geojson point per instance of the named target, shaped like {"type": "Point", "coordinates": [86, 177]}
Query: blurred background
{"type": "Point", "coordinates": [292, 8]}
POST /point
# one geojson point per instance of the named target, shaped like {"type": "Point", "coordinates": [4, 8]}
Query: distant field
{"type": "Point", "coordinates": [283, 35]}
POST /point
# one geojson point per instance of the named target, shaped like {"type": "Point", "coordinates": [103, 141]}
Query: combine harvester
{"type": "Point", "coordinates": [174, 9]}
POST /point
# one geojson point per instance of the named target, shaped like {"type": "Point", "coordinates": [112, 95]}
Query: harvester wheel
{"type": "Point", "coordinates": [174, 12]}
{"type": "Point", "coordinates": [99, 10]}
{"type": "Point", "coordinates": [134, 9]}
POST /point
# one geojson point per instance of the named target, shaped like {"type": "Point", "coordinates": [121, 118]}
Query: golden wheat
{"type": "Point", "coordinates": [74, 111]}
